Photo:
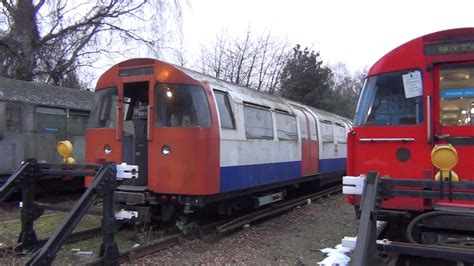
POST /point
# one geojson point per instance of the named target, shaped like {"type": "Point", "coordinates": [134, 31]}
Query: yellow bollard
{"type": "Point", "coordinates": [445, 157]}
{"type": "Point", "coordinates": [65, 149]}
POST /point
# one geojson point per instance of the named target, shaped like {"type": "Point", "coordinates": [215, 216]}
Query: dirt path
{"type": "Point", "coordinates": [294, 238]}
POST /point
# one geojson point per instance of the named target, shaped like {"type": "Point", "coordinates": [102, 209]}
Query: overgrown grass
{"type": "Point", "coordinates": [49, 222]}
{"type": "Point", "coordinates": [44, 226]}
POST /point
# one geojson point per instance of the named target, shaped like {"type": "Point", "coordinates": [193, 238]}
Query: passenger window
{"type": "Point", "coordinates": [258, 123]}
{"type": "Point", "coordinates": [50, 120]}
{"type": "Point", "coordinates": [225, 111]}
{"type": "Point", "coordinates": [383, 102]}
{"type": "Point", "coordinates": [340, 131]}
{"type": "Point", "coordinates": [77, 122]}
{"type": "Point", "coordinates": [457, 96]}
{"type": "Point", "coordinates": [327, 134]}
{"type": "Point", "coordinates": [286, 127]}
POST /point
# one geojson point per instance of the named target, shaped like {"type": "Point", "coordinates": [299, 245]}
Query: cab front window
{"type": "Point", "coordinates": [181, 106]}
{"type": "Point", "coordinates": [103, 113]}
{"type": "Point", "coordinates": [457, 96]}
{"type": "Point", "coordinates": [391, 99]}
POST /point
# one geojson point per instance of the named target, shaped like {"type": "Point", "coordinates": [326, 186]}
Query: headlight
{"type": "Point", "coordinates": [107, 149]}
{"type": "Point", "coordinates": [165, 150]}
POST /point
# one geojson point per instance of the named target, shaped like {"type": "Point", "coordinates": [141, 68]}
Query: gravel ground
{"type": "Point", "coordinates": [294, 238]}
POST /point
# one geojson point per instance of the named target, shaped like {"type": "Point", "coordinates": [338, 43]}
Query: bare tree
{"type": "Point", "coordinates": [254, 61]}
{"type": "Point", "coordinates": [347, 87]}
{"type": "Point", "coordinates": [49, 40]}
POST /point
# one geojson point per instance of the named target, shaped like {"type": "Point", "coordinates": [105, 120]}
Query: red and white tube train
{"type": "Point", "coordinates": [199, 140]}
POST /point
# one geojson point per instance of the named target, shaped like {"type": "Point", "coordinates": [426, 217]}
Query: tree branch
{"type": "Point", "coordinates": [38, 6]}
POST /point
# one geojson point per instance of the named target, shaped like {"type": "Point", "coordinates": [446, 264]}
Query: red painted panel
{"type": "Point", "coordinates": [310, 157]}
{"type": "Point", "coordinates": [97, 138]}
{"type": "Point", "coordinates": [314, 157]}
{"type": "Point", "coordinates": [192, 167]}
{"type": "Point", "coordinates": [306, 158]}
{"type": "Point", "coordinates": [194, 158]}
{"type": "Point", "coordinates": [381, 157]}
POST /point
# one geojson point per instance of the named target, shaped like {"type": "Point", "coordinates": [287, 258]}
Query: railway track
{"type": "Point", "coordinates": [220, 227]}
{"type": "Point", "coordinates": [74, 237]}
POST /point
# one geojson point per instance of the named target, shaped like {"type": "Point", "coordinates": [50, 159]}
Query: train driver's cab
{"type": "Point", "coordinates": [385, 101]}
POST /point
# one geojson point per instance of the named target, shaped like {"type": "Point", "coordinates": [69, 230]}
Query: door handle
{"type": "Point", "coordinates": [428, 118]}
{"type": "Point", "coordinates": [443, 136]}
{"type": "Point", "coordinates": [149, 123]}
{"type": "Point", "coordinates": [118, 123]}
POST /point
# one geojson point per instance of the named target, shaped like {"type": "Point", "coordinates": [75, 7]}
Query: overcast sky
{"type": "Point", "coordinates": [356, 33]}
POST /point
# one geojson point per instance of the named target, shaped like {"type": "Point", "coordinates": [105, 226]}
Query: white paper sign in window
{"type": "Point", "coordinates": [412, 84]}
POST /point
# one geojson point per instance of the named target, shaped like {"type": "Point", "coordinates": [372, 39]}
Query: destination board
{"type": "Point", "coordinates": [449, 48]}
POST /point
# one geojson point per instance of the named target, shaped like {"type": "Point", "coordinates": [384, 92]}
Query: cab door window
{"type": "Point", "coordinates": [456, 95]}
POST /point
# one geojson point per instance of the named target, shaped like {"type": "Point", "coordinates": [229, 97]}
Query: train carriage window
{"type": "Point", "coordinates": [383, 102]}
{"type": "Point", "coordinates": [104, 107]}
{"type": "Point", "coordinates": [258, 123]}
{"type": "Point", "coordinates": [50, 120]}
{"type": "Point", "coordinates": [340, 132]}
{"type": "Point", "coordinates": [303, 125]}
{"type": "Point", "coordinates": [77, 122]}
{"type": "Point", "coordinates": [225, 111]}
{"type": "Point", "coordinates": [327, 132]}
{"type": "Point", "coordinates": [457, 95]}
{"type": "Point", "coordinates": [286, 127]}
{"type": "Point", "coordinates": [181, 106]}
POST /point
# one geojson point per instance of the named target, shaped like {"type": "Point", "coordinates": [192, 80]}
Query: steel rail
{"type": "Point", "coordinates": [274, 209]}
{"type": "Point", "coordinates": [131, 255]}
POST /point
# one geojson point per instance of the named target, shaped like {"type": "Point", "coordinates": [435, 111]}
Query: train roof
{"type": "Point", "coordinates": [245, 94]}
{"type": "Point", "coordinates": [241, 93]}
{"type": "Point", "coordinates": [44, 94]}
{"type": "Point", "coordinates": [441, 46]}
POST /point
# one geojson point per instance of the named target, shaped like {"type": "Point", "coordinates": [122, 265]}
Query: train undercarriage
{"type": "Point", "coordinates": [163, 207]}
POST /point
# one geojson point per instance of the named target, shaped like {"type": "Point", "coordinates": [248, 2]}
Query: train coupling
{"type": "Point", "coordinates": [125, 171]}
{"type": "Point", "coordinates": [353, 185]}
{"type": "Point", "coordinates": [126, 215]}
